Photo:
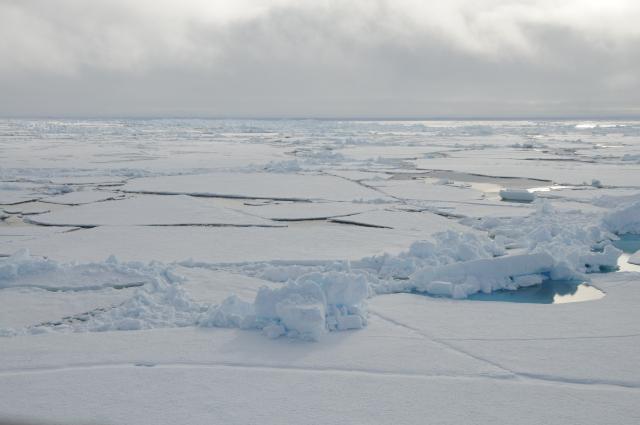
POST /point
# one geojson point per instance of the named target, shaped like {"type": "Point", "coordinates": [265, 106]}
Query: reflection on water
{"type": "Point", "coordinates": [565, 291]}
{"type": "Point", "coordinates": [629, 244]}
{"type": "Point", "coordinates": [625, 266]}
{"type": "Point", "coordinates": [549, 292]}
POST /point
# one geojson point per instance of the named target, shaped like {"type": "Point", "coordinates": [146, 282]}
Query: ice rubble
{"type": "Point", "coordinates": [516, 252]}
{"type": "Point", "coordinates": [304, 308]}
{"type": "Point", "coordinates": [313, 299]}
{"type": "Point", "coordinates": [625, 219]}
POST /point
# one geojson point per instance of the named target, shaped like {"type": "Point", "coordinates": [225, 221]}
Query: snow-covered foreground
{"type": "Point", "coordinates": [172, 271]}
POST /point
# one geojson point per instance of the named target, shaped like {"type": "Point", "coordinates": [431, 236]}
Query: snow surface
{"type": "Point", "coordinates": [278, 186]}
{"type": "Point", "coordinates": [353, 310]}
{"type": "Point", "coordinates": [27, 208]}
{"type": "Point", "coordinates": [299, 211]}
{"type": "Point", "coordinates": [80, 197]}
{"type": "Point", "coordinates": [150, 211]}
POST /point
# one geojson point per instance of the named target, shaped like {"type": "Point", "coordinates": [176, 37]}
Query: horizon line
{"type": "Point", "coordinates": [329, 118]}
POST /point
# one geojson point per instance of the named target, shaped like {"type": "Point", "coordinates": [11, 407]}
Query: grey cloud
{"type": "Point", "coordinates": [319, 58]}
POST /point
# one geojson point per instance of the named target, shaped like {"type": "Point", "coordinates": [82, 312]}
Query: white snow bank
{"type": "Point", "coordinates": [23, 270]}
{"type": "Point", "coordinates": [575, 240]}
{"type": "Point", "coordinates": [521, 195]}
{"type": "Point", "coordinates": [305, 308]}
{"type": "Point", "coordinates": [302, 308]}
{"type": "Point", "coordinates": [625, 219]}
{"type": "Point", "coordinates": [545, 245]}
{"type": "Point", "coordinates": [462, 279]}
{"type": "Point", "coordinates": [516, 252]}
{"type": "Point", "coordinates": [445, 248]}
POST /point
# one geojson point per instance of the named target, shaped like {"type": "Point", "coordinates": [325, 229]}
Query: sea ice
{"type": "Point", "coordinates": [197, 302]}
{"type": "Point", "coordinates": [79, 197]}
{"type": "Point", "coordinates": [521, 195]}
{"type": "Point", "coordinates": [624, 219]}
{"type": "Point", "coordinates": [278, 186]}
{"type": "Point", "coordinates": [151, 211]}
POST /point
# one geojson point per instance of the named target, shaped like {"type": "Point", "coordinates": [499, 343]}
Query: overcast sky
{"type": "Point", "coordinates": [320, 58]}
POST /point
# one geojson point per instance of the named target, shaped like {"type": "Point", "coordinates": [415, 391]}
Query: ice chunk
{"type": "Point", "coordinates": [340, 288]}
{"type": "Point", "coordinates": [351, 321]}
{"type": "Point", "coordinates": [232, 312]}
{"type": "Point", "coordinates": [302, 317]}
{"type": "Point", "coordinates": [482, 275]}
{"type": "Point", "coordinates": [624, 219]}
{"type": "Point", "coordinates": [521, 195]}
{"type": "Point", "coordinates": [267, 299]}
{"type": "Point", "coordinates": [439, 287]}
{"type": "Point", "coordinates": [601, 261]}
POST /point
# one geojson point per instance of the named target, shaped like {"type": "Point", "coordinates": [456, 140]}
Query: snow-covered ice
{"type": "Point", "coordinates": [151, 211]}
{"type": "Point", "coordinates": [521, 195]}
{"type": "Point", "coordinates": [79, 197]}
{"type": "Point", "coordinates": [277, 186]}
{"type": "Point", "coordinates": [163, 271]}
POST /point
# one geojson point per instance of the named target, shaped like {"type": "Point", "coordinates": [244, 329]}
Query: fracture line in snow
{"type": "Point", "coordinates": [80, 288]}
{"type": "Point", "coordinates": [246, 365]}
{"type": "Point", "coordinates": [522, 375]}
{"type": "Point", "coordinates": [442, 343]}
{"type": "Point", "coordinates": [376, 189]}
{"type": "Point", "coordinates": [529, 379]}
{"type": "Point", "coordinates": [558, 338]}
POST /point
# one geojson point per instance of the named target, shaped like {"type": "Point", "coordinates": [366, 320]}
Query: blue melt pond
{"type": "Point", "coordinates": [548, 292]}
{"type": "Point", "coordinates": [628, 243]}
{"type": "Point", "coordinates": [564, 291]}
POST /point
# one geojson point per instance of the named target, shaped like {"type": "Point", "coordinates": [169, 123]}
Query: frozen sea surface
{"type": "Point", "coordinates": [238, 271]}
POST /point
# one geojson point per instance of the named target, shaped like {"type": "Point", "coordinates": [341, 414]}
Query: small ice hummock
{"type": "Point", "coordinates": [305, 308]}
{"type": "Point", "coordinates": [520, 195]}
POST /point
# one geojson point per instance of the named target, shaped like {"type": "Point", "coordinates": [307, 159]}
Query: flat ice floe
{"type": "Point", "coordinates": [27, 208]}
{"type": "Point", "coordinates": [10, 234]}
{"type": "Point", "coordinates": [303, 243]}
{"type": "Point", "coordinates": [300, 211]}
{"type": "Point", "coordinates": [42, 308]}
{"type": "Point", "coordinates": [477, 209]}
{"type": "Point", "coordinates": [560, 172]}
{"type": "Point", "coordinates": [278, 186]}
{"type": "Point", "coordinates": [16, 193]}
{"type": "Point", "coordinates": [178, 210]}
{"type": "Point", "coordinates": [79, 197]}
{"type": "Point", "coordinates": [425, 190]}
{"type": "Point", "coordinates": [422, 223]}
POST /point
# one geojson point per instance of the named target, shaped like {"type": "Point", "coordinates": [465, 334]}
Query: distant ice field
{"type": "Point", "coordinates": [319, 271]}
